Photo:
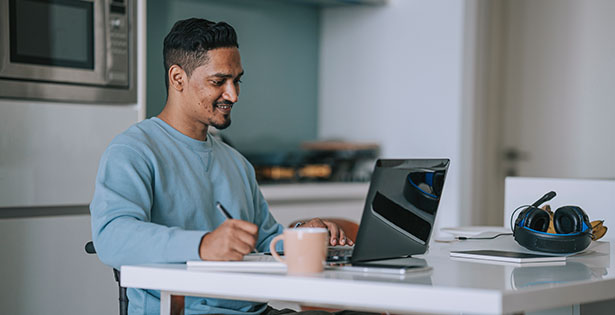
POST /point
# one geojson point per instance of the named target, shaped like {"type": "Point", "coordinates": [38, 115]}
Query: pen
{"type": "Point", "coordinates": [223, 210]}
{"type": "Point", "coordinates": [227, 215]}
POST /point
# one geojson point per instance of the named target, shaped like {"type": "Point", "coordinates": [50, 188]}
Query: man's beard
{"type": "Point", "coordinates": [223, 125]}
{"type": "Point", "coordinates": [227, 121]}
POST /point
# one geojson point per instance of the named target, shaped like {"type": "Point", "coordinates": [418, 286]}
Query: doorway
{"type": "Point", "coordinates": [545, 95]}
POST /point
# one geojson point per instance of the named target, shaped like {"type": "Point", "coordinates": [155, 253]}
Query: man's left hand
{"type": "Point", "coordinates": [337, 236]}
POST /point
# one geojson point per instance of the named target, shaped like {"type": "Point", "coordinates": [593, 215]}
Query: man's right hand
{"type": "Point", "coordinates": [230, 241]}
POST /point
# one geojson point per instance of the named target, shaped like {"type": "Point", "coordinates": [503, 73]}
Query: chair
{"type": "Point", "coordinates": [89, 248]}
{"type": "Point", "coordinates": [177, 302]}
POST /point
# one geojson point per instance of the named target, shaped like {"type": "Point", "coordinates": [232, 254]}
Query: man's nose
{"type": "Point", "coordinates": [231, 93]}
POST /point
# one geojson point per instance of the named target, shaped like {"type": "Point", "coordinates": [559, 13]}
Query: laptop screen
{"type": "Point", "coordinates": [400, 208]}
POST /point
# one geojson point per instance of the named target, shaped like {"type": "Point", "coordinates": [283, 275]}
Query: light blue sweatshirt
{"type": "Point", "coordinates": [155, 198]}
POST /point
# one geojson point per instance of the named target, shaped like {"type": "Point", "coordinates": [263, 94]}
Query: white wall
{"type": "Point", "coordinates": [393, 74]}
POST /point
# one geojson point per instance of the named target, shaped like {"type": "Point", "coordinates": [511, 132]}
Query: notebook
{"type": "Point", "coordinates": [263, 263]}
{"type": "Point", "coordinates": [507, 256]}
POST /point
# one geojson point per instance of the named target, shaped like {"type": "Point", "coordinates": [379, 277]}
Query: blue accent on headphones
{"type": "Point", "coordinates": [428, 181]}
{"type": "Point", "coordinates": [576, 233]}
{"type": "Point", "coordinates": [571, 223]}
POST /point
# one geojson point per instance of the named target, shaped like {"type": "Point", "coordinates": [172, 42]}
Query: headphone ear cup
{"type": "Point", "coordinates": [569, 219]}
{"type": "Point", "coordinates": [537, 219]}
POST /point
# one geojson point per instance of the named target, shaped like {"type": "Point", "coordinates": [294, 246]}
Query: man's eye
{"type": "Point", "coordinates": [217, 82]}
{"type": "Point", "coordinates": [237, 81]}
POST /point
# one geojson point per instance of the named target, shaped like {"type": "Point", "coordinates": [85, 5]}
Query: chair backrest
{"type": "Point", "coordinates": [123, 298]}
{"type": "Point", "coordinates": [595, 197]}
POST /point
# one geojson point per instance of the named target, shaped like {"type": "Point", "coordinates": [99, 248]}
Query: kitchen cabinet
{"type": "Point", "coordinates": [326, 3]}
{"type": "Point", "coordinates": [290, 202]}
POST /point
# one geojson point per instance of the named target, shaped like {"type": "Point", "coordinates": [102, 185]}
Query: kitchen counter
{"type": "Point", "coordinates": [290, 202]}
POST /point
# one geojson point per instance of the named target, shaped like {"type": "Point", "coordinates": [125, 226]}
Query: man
{"type": "Point", "coordinates": [159, 181]}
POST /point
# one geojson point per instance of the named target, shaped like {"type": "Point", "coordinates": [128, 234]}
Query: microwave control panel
{"type": "Point", "coordinates": [118, 43]}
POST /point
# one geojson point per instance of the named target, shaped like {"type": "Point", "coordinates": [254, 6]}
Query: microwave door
{"type": "Point", "coordinates": [54, 41]}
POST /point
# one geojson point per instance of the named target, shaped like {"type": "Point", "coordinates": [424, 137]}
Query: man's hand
{"type": "Point", "coordinates": [337, 236]}
{"type": "Point", "coordinates": [230, 241]}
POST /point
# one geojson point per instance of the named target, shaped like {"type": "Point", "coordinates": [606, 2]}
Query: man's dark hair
{"type": "Point", "coordinates": [187, 43]}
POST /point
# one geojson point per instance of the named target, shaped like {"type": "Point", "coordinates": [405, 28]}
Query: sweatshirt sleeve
{"type": "Point", "coordinates": [122, 230]}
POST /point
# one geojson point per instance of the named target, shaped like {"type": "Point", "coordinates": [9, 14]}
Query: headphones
{"type": "Point", "coordinates": [572, 226]}
{"type": "Point", "coordinates": [423, 189]}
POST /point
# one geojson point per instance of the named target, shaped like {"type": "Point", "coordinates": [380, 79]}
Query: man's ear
{"type": "Point", "coordinates": [177, 78]}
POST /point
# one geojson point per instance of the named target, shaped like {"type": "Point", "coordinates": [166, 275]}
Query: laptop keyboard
{"type": "Point", "coordinates": [339, 253]}
{"type": "Point", "coordinates": [335, 254]}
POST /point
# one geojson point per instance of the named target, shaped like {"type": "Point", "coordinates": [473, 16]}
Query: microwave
{"type": "Point", "coordinates": [68, 50]}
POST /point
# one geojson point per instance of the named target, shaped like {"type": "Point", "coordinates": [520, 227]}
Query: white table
{"type": "Point", "coordinates": [452, 286]}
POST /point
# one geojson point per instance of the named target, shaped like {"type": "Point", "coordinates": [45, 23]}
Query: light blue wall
{"type": "Point", "coordinates": [278, 41]}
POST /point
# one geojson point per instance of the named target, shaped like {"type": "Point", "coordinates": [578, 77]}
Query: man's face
{"type": "Point", "coordinates": [213, 88]}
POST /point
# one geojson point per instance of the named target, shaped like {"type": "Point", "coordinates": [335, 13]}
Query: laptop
{"type": "Point", "coordinates": [399, 213]}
